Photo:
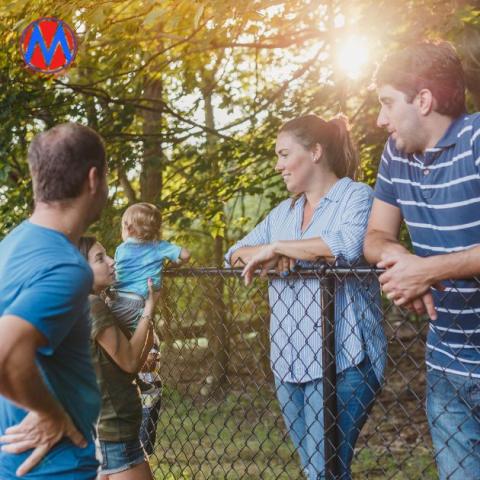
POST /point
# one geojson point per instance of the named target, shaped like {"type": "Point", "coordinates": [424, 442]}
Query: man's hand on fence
{"type": "Point", "coordinates": [422, 305]}
{"type": "Point", "coordinates": [407, 283]}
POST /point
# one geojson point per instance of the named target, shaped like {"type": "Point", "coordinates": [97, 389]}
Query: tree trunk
{"type": "Point", "coordinates": [151, 175]}
{"type": "Point", "coordinates": [218, 337]}
{"type": "Point", "coordinates": [151, 182]}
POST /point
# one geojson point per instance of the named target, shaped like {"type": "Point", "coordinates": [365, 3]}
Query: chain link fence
{"type": "Point", "coordinates": [220, 417]}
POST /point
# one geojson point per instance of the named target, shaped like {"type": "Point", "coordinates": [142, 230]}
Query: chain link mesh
{"type": "Point", "coordinates": [219, 416]}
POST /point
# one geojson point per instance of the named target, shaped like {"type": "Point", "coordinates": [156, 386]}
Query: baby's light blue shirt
{"type": "Point", "coordinates": [137, 261]}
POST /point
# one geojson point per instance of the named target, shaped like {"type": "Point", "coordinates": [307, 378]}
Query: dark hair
{"type": "Point", "coordinates": [61, 158]}
{"type": "Point", "coordinates": [85, 244]}
{"type": "Point", "coordinates": [430, 65]}
{"type": "Point", "coordinates": [334, 137]}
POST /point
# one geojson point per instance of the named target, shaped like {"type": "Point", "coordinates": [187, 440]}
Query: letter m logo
{"type": "Point", "coordinates": [48, 45]}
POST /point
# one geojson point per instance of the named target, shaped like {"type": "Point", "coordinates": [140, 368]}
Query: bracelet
{"type": "Point", "coordinates": [148, 317]}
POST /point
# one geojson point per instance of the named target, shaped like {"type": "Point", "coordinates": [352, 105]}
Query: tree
{"type": "Point", "coordinates": [151, 76]}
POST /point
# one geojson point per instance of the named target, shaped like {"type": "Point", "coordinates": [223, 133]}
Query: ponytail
{"type": "Point", "coordinates": [342, 155]}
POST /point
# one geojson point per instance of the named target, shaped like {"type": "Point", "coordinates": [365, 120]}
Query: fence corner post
{"type": "Point", "coordinates": [327, 292]}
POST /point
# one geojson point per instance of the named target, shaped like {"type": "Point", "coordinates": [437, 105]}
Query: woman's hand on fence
{"type": "Point", "coordinates": [266, 259]}
{"type": "Point", "coordinates": [285, 265]}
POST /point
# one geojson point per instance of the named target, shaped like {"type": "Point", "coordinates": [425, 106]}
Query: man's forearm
{"type": "Point", "coordinates": [22, 383]}
{"type": "Point", "coordinates": [377, 243]}
{"type": "Point", "coordinates": [454, 266]}
{"type": "Point", "coordinates": [20, 378]}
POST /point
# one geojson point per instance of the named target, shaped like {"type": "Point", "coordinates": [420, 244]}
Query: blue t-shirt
{"type": "Point", "coordinates": [136, 262]}
{"type": "Point", "coordinates": [46, 281]}
{"type": "Point", "coordinates": [438, 194]}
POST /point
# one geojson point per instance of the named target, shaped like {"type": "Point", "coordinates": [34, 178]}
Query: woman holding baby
{"type": "Point", "coordinates": [118, 357]}
{"type": "Point", "coordinates": [122, 334]}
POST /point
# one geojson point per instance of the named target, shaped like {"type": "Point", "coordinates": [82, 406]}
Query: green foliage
{"type": "Point", "coordinates": [189, 96]}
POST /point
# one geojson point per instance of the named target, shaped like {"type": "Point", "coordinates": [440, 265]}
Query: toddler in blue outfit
{"type": "Point", "coordinates": [138, 258]}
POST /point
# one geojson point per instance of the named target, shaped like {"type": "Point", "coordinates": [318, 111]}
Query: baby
{"type": "Point", "coordinates": [138, 258]}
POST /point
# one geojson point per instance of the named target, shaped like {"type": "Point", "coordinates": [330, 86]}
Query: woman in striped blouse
{"type": "Point", "coordinates": [326, 219]}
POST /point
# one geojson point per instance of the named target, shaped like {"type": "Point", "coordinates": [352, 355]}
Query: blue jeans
{"type": "Point", "coordinates": [302, 409]}
{"type": "Point", "coordinates": [453, 412]}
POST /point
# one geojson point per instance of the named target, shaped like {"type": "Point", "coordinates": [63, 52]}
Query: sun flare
{"type": "Point", "coordinates": [353, 56]}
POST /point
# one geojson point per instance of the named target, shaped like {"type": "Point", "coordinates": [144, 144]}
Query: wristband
{"type": "Point", "coordinates": [148, 317]}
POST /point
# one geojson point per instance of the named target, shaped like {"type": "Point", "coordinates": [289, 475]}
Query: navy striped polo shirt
{"type": "Point", "coordinates": [438, 194]}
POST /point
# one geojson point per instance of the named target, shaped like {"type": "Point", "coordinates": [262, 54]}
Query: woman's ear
{"type": "Point", "coordinates": [317, 153]}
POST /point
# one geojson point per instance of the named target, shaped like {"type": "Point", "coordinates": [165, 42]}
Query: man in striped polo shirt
{"type": "Point", "coordinates": [429, 177]}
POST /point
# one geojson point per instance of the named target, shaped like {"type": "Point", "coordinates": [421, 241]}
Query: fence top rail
{"type": "Point", "coordinates": [323, 271]}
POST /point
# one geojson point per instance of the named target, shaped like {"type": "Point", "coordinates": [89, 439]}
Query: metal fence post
{"type": "Point", "coordinates": [327, 292]}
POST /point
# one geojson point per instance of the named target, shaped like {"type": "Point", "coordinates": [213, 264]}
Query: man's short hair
{"type": "Point", "coordinates": [431, 65]}
{"type": "Point", "coordinates": [60, 159]}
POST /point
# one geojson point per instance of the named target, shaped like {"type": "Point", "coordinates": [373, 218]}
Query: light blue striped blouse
{"type": "Point", "coordinates": [340, 219]}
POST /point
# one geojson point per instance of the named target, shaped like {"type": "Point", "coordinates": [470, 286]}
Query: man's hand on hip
{"type": "Point", "coordinates": [40, 433]}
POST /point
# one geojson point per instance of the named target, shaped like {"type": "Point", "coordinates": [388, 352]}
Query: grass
{"type": "Point", "coordinates": [379, 464]}
{"type": "Point", "coordinates": [242, 437]}
{"type": "Point", "coordinates": [220, 441]}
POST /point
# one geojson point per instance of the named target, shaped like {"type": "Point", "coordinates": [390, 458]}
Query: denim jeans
{"type": "Point", "coordinates": [453, 412]}
{"type": "Point", "coordinates": [302, 409]}
{"type": "Point", "coordinates": [120, 456]}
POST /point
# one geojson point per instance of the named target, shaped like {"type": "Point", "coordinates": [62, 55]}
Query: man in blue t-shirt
{"type": "Point", "coordinates": [49, 400]}
{"type": "Point", "coordinates": [429, 177]}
